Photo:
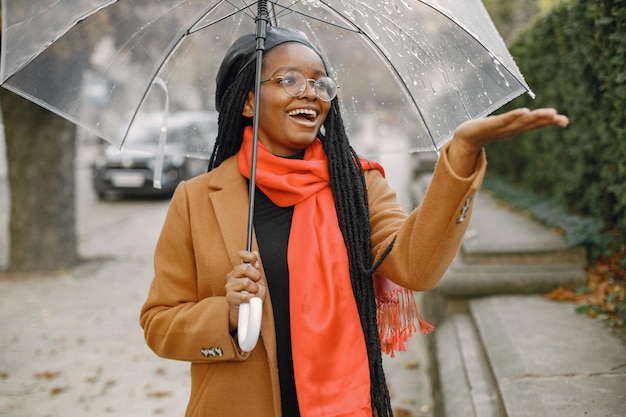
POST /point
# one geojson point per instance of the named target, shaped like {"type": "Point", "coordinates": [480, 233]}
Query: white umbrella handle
{"type": "Point", "coordinates": [249, 324]}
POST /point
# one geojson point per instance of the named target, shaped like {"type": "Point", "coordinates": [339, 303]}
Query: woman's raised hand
{"type": "Point", "coordinates": [471, 136]}
{"type": "Point", "coordinates": [242, 283]}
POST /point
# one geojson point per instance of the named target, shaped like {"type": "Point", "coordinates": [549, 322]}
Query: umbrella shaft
{"type": "Point", "coordinates": [261, 33]}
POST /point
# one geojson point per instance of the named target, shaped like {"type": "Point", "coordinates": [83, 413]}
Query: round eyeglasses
{"type": "Point", "coordinates": [294, 83]}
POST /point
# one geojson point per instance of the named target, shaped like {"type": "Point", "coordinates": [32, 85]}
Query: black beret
{"type": "Point", "coordinates": [243, 53]}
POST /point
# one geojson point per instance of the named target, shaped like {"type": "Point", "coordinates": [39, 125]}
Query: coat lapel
{"type": "Point", "coordinates": [229, 196]}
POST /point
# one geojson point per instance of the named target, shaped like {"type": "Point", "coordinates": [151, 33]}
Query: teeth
{"type": "Point", "coordinates": [309, 112]}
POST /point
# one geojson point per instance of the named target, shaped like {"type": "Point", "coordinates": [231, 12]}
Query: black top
{"type": "Point", "coordinates": [272, 225]}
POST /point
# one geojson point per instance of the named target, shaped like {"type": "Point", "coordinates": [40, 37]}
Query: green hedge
{"type": "Point", "coordinates": [574, 59]}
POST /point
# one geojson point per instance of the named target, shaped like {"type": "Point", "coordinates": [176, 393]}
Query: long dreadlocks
{"type": "Point", "coordinates": [348, 186]}
{"type": "Point", "coordinates": [230, 122]}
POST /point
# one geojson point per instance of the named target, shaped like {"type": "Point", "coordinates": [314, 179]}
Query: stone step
{"type": "Point", "coordinates": [548, 360]}
{"type": "Point", "coordinates": [499, 234]}
{"type": "Point", "coordinates": [472, 280]}
{"type": "Point", "coordinates": [467, 387]}
{"type": "Point", "coordinates": [505, 252]}
{"type": "Point", "coordinates": [523, 356]}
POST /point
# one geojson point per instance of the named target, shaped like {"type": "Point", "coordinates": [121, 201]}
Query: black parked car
{"type": "Point", "coordinates": [130, 171]}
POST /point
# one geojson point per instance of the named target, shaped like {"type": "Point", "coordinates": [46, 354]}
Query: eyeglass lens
{"type": "Point", "coordinates": [294, 83]}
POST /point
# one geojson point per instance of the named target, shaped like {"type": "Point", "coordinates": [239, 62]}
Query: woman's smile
{"type": "Point", "coordinates": [307, 117]}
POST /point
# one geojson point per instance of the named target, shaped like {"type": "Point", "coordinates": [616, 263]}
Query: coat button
{"type": "Point", "coordinates": [464, 209]}
{"type": "Point", "coordinates": [212, 352]}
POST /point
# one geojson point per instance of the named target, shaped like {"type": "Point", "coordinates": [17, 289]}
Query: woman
{"type": "Point", "coordinates": [325, 220]}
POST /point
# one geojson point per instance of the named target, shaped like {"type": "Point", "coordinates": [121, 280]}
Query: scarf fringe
{"type": "Point", "coordinates": [396, 314]}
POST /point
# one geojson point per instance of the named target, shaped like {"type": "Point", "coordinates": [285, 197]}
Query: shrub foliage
{"type": "Point", "coordinates": [574, 59]}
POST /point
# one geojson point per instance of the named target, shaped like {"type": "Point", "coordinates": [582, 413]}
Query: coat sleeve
{"type": "Point", "coordinates": [426, 240]}
{"type": "Point", "coordinates": [176, 323]}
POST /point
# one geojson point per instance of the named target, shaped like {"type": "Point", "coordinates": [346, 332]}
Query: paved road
{"type": "Point", "coordinates": [70, 343]}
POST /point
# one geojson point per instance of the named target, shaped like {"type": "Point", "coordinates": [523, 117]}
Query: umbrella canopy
{"type": "Point", "coordinates": [420, 67]}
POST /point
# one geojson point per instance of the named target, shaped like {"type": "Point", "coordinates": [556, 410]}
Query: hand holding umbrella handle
{"type": "Point", "coordinates": [249, 323]}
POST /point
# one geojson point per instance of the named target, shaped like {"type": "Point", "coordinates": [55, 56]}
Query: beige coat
{"type": "Point", "coordinates": [185, 316]}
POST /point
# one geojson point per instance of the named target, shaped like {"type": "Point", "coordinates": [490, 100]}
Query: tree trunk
{"type": "Point", "coordinates": [40, 152]}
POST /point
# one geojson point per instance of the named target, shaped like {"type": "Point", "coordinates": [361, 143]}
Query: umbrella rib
{"type": "Point", "coordinates": [406, 88]}
{"type": "Point", "coordinates": [469, 33]}
{"type": "Point", "coordinates": [399, 77]}
{"type": "Point", "coordinates": [168, 55]}
{"type": "Point", "coordinates": [289, 8]}
{"type": "Point", "coordinates": [393, 68]}
{"type": "Point", "coordinates": [238, 9]}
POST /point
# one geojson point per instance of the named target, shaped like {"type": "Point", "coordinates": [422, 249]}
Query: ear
{"type": "Point", "coordinates": [248, 107]}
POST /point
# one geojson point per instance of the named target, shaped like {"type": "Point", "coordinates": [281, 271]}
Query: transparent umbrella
{"type": "Point", "coordinates": [421, 67]}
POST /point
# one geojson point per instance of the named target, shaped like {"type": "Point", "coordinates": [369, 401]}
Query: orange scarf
{"type": "Point", "coordinates": [331, 367]}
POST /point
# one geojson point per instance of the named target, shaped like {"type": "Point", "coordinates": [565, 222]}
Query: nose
{"type": "Point", "coordinates": [309, 88]}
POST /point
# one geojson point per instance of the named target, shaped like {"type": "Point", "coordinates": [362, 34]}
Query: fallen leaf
{"type": "Point", "coordinates": [604, 293]}
{"type": "Point", "coordinates": [47, 375]}
{"type": "Point", "coordinates": [59, 390]}
{"type": "Point", "coordinates": [159, 394]}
